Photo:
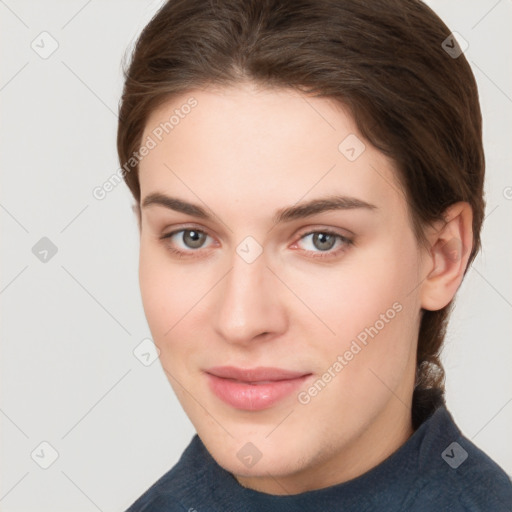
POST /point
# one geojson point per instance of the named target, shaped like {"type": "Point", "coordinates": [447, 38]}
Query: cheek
{"type": "Point", "coordinates": [165, 290]}
{"type": "Point", "coordinates": [369, 305]}
{"type": "Point", "coordinates": [378, 323]}
{"type": "Point", "coordinates": [175, 300]}
{"type": "Point", "coordinates": [353, 295]}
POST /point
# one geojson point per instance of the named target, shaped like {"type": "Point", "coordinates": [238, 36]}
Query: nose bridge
{"type": "Point", "coordinates": [247, 303]}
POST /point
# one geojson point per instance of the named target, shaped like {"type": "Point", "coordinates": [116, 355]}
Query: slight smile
{"type": "Point", "coordinates": [253, 389]}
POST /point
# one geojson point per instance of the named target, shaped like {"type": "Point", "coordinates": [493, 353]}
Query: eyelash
{"type": "Point", "coordinates": [313, 254]}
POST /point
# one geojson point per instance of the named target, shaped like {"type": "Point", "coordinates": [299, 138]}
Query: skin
{"type": "Point", "coordinates": [244, 153]}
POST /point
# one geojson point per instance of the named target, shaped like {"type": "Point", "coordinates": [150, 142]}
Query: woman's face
{"type": "Point", "coordinates": [273, 236]}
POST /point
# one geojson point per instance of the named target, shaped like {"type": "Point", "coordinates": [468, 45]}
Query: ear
{"type": "Point", "coordinates": [136, 211]}
{"type": "Point", "coordinates": [450, 244]}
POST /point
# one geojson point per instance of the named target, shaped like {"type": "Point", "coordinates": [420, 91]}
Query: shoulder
{"type": "Point", "coordinates": [178, 486]}
{"type": "Point", "coordinates": [456, 475]}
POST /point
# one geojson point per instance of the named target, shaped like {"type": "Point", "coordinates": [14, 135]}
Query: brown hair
{"type": "Point", "coordinates": [385, 60]}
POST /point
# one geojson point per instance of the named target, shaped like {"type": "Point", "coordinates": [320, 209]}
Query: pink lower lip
{"type": "Point", "coordinates": [253, 397]}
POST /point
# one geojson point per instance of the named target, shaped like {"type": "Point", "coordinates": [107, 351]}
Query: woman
{"type": "Point", "coordinates": [308, 179]}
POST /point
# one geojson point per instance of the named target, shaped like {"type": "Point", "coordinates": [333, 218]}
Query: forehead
{"type": "Point", "coordinates": [255, 144]}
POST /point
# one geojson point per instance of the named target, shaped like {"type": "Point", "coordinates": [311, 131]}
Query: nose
{"type": "Point", "coordinates": [248, 304]}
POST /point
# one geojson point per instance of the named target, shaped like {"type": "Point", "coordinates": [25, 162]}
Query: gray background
{"type": "Point", "coordinates": [70, 324]}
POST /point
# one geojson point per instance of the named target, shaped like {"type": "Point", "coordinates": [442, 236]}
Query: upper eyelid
{"type": "Point", "coordinates": [305, 232]}
{"type": "Point", "coordinates": [331, 231]}
{"type": "Point", "coordinates": [189, 228]}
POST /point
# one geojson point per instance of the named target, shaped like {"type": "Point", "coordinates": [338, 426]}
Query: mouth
{"type": "Point", "coordinates": [253, 389]}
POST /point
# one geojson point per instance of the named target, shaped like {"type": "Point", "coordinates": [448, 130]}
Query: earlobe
{"type": "Point", "coordinates": [451, 241]}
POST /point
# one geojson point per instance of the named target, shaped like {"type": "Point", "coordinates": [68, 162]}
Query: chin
{"type": "Point", "coordinates": [250, 453]}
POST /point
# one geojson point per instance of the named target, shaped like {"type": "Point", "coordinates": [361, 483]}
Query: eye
{"type": "Point", "coordinates": [321, 243]}
{"type": "Point", "coordinates": [185, 241]}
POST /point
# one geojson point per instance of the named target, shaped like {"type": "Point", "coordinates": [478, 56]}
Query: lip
{"type": "Point", "coordinates": [253, 389]}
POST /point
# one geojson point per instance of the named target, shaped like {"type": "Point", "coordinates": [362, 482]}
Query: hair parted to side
{"type": "Point", "coordinates": [382, 59]}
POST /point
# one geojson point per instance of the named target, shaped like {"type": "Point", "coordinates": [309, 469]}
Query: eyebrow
{"type": "Point", "coordinates": [299, 211]}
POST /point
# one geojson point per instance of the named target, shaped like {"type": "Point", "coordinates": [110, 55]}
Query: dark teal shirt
{"type": "Point", "coordinates": [437, 469]}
